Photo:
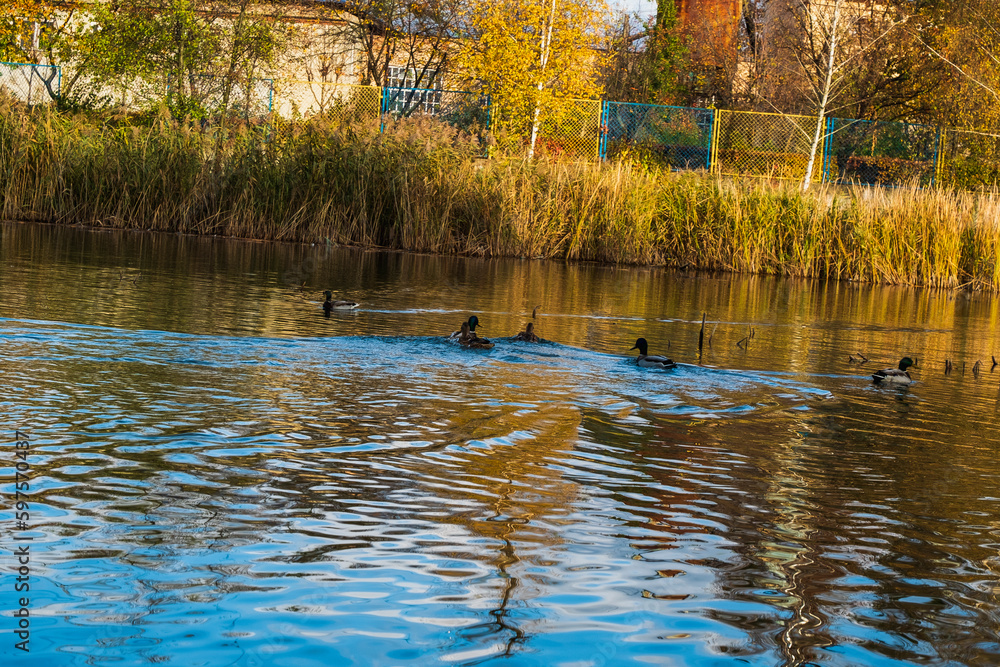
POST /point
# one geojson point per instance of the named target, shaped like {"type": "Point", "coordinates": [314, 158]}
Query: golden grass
{"type": "Point", "coordinates": [420, 186]}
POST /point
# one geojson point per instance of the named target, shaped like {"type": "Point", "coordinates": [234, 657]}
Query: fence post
{"type": "Point", "coordinates": [827, 148]}
{"type": "Point", "coordinates": [602, 147]}
{"type": "Point", "coordinates": [713, 142]}
{"type": "Point", "coordinates": [383, 104]}
{"type": "Point", "coordinates": [489, 126]}
{"type": "Point", "coordinates": [938, 157]}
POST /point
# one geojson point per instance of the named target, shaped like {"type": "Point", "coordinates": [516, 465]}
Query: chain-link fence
{"type": "Point", "coordinates": [338, 102]}
{"type": "Point", "coordinates": [251, 99]}
{"type": "Point", "coordinates": [721, 141]}
{"type": "Point", "coordinates": [880, 153]}
{"type": "Point", "coordinates": [968, 159]}
{"type": "Point", "coordinates": [462, 109]}
{"type": "Point", "coordinates": [30, 84]}
{"type": "Point", "coordinates": [572, 129]}
{"type": "Point", "coordinates": [763, 144]}
{"type": "Point", "coordinates": [677, 137]}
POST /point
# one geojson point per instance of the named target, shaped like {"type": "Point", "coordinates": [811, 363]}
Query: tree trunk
{"type": "Point", "coordinates": [546, 47]}
{"type": "Point", "coordinates": [827, 86]}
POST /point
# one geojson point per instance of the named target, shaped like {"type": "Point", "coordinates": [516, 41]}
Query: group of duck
{"type": "Point", "coordinates": [467, 337]}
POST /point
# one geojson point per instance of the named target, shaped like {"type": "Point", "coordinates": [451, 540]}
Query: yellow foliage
{"type": "Point", "coordinates": [532, 56]}
{"type": "Point", "coordinates": [971, 49]}
{"type": "Point", "coordinates": [17, 24]}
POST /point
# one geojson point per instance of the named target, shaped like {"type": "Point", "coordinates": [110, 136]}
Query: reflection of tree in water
{"type": "Point", "coordinates": [719, 474]}
{"type": "Point", "coordinates": [502, 626]}
{"type": "Point", "coordinates": [778, 541]}
{"type": "Point", "coordinates": [792, 560]}
{"type": "Point", "coordinates": [485, 480]}
{"type": "Point", "coordinates": [841, 518]}
{"type": "Point", "coordinates": [523, 486]}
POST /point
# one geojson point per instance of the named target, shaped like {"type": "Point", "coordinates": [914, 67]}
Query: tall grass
{"type": "Point", "coordinates": [420, 186]}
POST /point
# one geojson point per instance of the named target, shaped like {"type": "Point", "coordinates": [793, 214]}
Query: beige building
{"type": "Point", "coordinates": [328, 59]}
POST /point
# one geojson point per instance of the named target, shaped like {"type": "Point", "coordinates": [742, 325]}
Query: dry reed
{"type": "Point", "coordinates": [420, 186]}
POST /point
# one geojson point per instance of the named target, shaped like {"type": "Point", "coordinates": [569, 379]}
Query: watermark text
{"type": "Point", "coordinates": [22, 542]}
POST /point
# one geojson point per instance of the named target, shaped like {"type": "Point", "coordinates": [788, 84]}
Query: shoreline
{"type": "Point", "coordinates": [423, 188]}
{"type": "Point", "coordinates": [688, 270]}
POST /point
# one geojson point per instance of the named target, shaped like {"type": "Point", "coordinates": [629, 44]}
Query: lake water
{"type": "Point", "coordinates": [220, 475]}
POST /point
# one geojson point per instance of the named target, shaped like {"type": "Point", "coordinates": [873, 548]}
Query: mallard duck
{"type": "Point", "coordinates": [528, 335]}
{"type": "Point", "coordinates": [472, 324]}
{"type": "Point", "coordinates": [647, 361]}
{"type": "Point", "coordinates": [468, 338]}
{"type": "Point", "coordinates": [894, 375]}
{"type": "Point", "coordinates": [330, 304]}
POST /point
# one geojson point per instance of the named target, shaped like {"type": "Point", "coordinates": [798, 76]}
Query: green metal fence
{"type": "Point", "coordinates": [880, 153]}
{"type": "Point", "coordinates": [465, 110]}
{"type": "Point", "coordinates": [677, 137]}
{"type": "Point", "coordinates": [253, 98]}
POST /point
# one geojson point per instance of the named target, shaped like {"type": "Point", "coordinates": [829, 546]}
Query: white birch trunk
{"type": "Point", "coordinates": [546, 47]}
{"type": "Point", "coordinates": [819, 135]}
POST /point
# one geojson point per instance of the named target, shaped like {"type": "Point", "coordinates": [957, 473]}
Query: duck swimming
{"type": "Point", "coordinates": [330, 304]}
{"type": "Point", "coordinates": [894, 375]}
{"type": "Point", "coordinates": [528, 335]}
{"type": "Point", "coordinates": [647, 361]}
{"type": "Point", "coordinates": [468, 338]}
{"type": "Point", "coordinates": [472, 324]}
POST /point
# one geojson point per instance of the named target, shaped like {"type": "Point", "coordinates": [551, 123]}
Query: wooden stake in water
{"type": "Point", "coordinates": [701, 336]}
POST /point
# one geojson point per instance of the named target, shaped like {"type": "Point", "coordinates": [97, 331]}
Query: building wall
{"type": "Point", "coordinates": [713, 26]}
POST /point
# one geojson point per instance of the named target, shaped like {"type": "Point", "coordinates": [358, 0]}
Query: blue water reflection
{"type": "Point", "coordinates": [358, 491]}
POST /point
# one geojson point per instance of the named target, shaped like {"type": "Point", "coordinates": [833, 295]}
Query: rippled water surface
{"type": "Point", "coordinates": [220, 475]}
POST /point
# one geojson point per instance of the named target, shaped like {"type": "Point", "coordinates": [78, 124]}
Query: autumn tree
{"type": "Point", "coordinates": [825, 44]}
{"type": "Point", "coordinates": [648, 61]}
{"type": "Point", "coordinates": [192, 54]}
{"type": "Point", "coordinates": [414, 37]}
{"type": "Point", "coordinates": [963, 42]}
{"type": "Point", "coordinates": [23, 27]}
{"type": "Point", "coordinates": [669, 54]}
{"type": "Point", "coordinates": [117, 54]}
{"type": "Point", "coordinates": [251, 42]}
{"type": "Point", "coordinates": [27, 31]}
{"type": "Point", "coordinates": [532, 56]}
{"type": "Point", "coordinates": [626, 75]}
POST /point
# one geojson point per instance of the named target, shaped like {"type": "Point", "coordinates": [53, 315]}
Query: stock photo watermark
{"type": "Point", "coordinates": [21, 543]}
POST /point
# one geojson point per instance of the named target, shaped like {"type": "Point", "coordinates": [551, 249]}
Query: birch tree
{"type": "Point", "coordinates": [533, 55]}
{"type": "Point", "coordinates": [823, 87]}
{"type": "Point", "coordinates": [827, 43]}
{"type": "Point", "coordinates": [23, 24]}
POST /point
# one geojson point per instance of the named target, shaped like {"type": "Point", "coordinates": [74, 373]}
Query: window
{"type": "Point", "coordinates": [405, 99]}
